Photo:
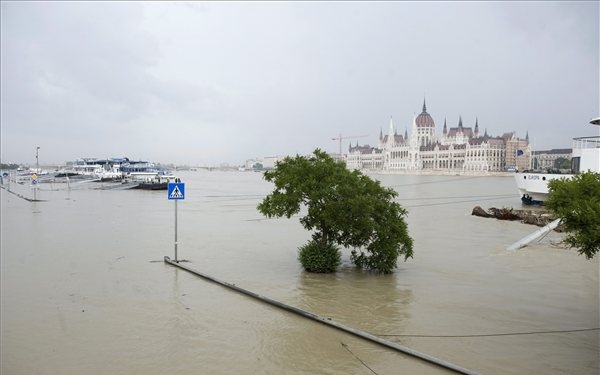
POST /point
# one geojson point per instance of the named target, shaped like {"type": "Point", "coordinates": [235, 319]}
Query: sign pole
{"type": "Point", "coordinates": [176, 230]}
{"type": "Point", "coordinates": [176, 191]}
{"type": "Point", "coordinates": [34, 181]}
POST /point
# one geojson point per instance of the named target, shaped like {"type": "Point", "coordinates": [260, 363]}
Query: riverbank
{"type": "Point", "coordinates": [436, 172]}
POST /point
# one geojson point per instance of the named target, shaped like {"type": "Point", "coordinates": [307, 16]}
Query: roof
{"type": "Point", "coordinates": [366, 149]}
{"type": "Point", "coordinates": [507, 136]}
{"type": "Point", "coordinates": [397, 139]}
{"type": "Point", "coordinates": [424, 120]}
{"type": "Point", "coordinates": [466, 131]}
{"type": "Point", "coordinates": [554, 151]}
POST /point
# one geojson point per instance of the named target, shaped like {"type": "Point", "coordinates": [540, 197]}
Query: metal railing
{"type": "Point", "coordinates": [586, 142]}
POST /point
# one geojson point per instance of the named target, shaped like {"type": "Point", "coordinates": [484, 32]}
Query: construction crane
{"type": "Point", "coordinates": [347, 137]}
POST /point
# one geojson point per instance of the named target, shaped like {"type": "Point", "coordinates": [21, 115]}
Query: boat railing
{"type": "Point", "coordinates": [586, 142]}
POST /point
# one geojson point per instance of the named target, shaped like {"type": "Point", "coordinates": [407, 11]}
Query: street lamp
{"type": "Point", "coordinates": [37, 172]}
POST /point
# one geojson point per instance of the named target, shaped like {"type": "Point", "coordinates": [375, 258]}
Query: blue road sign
{"type": "Point", "coordinates": [176, 190]}
{"type": "Point", "coordinates": [5, 174]}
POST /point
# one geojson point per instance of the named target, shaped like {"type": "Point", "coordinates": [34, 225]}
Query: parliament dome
{"type": "Point", "coordinates": [424, 120]}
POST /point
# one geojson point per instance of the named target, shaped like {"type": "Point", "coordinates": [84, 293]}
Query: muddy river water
{"type": "Point", "coordinates": [85, 290]}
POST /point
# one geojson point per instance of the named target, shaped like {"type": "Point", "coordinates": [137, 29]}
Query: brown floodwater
{"type": "Point", "coordinates": [85, 290]}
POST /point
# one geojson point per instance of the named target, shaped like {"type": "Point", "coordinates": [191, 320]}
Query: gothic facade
{"type": "Point", "coordinates": [458, 149]}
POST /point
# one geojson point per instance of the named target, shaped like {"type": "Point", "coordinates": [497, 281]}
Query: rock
{"type": "Point", "coordinates": [478, 211]}
{"type": "Point", "coordinates": [532, 217]}
{"type": "Point", "coordinates": [504, 214]}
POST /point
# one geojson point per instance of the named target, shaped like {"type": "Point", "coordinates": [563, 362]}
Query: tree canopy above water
{"type": "Point", "coordinates": [345, 208]}
{"type": "Point", "coordinates": [577, 202]}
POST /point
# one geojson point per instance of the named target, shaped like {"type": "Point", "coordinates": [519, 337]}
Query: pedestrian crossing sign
{"type": "Point", "coordinates": [176, 190]}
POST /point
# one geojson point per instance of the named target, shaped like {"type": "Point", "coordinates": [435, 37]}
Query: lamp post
{"type": "Point", "coordinates": [37, 172]}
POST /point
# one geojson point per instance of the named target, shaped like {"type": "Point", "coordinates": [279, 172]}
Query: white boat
{"type": "Point", "coordinates": [147, 176]}
{"type": "Point", "coordinates": [533, 186]}
{"type": "Point", "coordinates": [91, 168]}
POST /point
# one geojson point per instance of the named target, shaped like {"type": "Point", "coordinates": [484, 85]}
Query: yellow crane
{"type": "Point", "coordinates": [346, 137]}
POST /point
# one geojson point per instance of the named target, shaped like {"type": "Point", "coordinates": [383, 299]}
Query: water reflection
{"type": "Point", "coordinates": [361, 299]}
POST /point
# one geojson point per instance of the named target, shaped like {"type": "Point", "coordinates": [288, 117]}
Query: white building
{"type": "Point", "coordinates": [268, 162]}
{"type": "Point", "coordinates": [364, 157]}
{"type": "Point", "coordinates": [459, 149]}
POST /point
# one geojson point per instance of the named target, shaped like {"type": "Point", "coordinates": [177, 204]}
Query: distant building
{"type": "Point", "coordinates": [459, 149]}
{"type": "Point", "coordinates": [251, 163]}
{"type": "Point", "coordinates": [268, 162]}
{"type": "Point", "coordinates": [364, 157]}
{"type": "Point", "coordinates": [544, 160]}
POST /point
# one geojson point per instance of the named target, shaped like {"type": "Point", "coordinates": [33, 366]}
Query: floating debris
{"type": "Point", "coordinates": [538, 217]}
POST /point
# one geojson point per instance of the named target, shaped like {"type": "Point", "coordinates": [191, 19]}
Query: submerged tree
{"type": "Point", "coordinates": [577, 202]}
{"type": "Point", "coordinates": [344, 208]}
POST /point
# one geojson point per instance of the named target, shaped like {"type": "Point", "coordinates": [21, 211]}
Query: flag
{"type": "Point", "coordinates": [519, 152]}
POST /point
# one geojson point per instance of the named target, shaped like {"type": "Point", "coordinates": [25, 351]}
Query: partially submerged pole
{"type": "Point", "coordinates": [534, 236]}
{"type": "Point", "coordinates": [176, 231]}
{"type": "Point", "coordinates": [329, 322]}
{"type": "Point", "coordinates": [176, 191]}
{"type": "Point", "coordinates": [37, 173]}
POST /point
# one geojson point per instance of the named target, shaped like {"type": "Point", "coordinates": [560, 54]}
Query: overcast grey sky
{"type": "Point", "coordinates": [205, 83]}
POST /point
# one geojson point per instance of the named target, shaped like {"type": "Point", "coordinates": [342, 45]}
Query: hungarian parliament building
{"type": "Point", "coordinates": [459, 149]}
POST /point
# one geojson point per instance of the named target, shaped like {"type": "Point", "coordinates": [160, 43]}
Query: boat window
{"type": "Point", "coordinates": [575, 164]}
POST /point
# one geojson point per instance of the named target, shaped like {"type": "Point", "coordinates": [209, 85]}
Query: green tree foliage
{"type": "Point", "coordinates": [577, 202]}
{"type": "Point", "coordinates": [316, 257]}
{"type": "Point", "coordinates": [343, 208]}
